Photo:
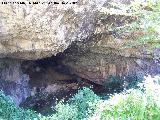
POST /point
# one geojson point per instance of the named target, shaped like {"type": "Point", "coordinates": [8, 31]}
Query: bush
{"type": "Point", "coordinates": [135, 104]}
{"type": "Point", "coordinates": [142, 103]}
{"type": "Point", "coordinates": [79, 107]}
{"type": "Point", "coordinates": [85, 101]}
{"type": "Point", "coordinates": [9, 111]}
{"type": "Point", "coordinates": [64, 112]}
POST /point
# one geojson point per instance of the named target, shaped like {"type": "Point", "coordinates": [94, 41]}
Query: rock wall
{"type": "Point", "coordinates": [36, 31]}
{"type": "Point", "coordinates": [12, 81]}
{"type": "Point", "coordinates": [97, 61]}
{"type": "Point", "coordinates": [106, 52]}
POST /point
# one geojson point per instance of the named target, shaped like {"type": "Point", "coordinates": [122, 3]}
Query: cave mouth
{"type": "Point", "coordinates": [47, 71]}
{"type": "Point", "coordinates": [51, 70]}
{"type": "Point", "coordinates": [50, 81]}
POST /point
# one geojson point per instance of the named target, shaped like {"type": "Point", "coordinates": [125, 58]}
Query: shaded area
{"type": "Point", "coordinates": [51, 81]}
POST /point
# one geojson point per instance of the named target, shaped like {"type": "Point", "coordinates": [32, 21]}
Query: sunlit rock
{"type": "Point", "coordinates": [33, 31]}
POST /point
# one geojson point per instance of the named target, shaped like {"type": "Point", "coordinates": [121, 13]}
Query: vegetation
{"type": "Point", "coordinates": [118, 83]}
{"type": "Point", "coordinates": [140, 22]}
{"type": "Point", "coordinates": [134, 104]}
{"type": "Point", "coordinates": [9, 111]}
{"type": "Point", "coordinates": [79, 107]}
{"type": "Point", "coordinates": [145, 28]}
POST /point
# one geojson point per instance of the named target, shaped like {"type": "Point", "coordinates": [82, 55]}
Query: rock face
{"type": "Point", "coordinates": [35, 31]}
{"type": "Point", "coordinates": [94, 52]}
{"type": "Point", "coordinates": [12, 81]}
{"type": "Point", "coordinates": [100, 60]}
{"type": "Point", "coordinates": [106, 54]}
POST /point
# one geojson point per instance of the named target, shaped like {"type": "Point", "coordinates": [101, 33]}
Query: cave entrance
{"type": "Point", "coordinates": [47, 71]}
{"type": "Point", "coordinates": [51, 80]}
{"type": "Point", "coordinates": [51, 71]}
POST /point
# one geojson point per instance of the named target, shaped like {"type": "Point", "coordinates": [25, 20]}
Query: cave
{"type": "Point", "coordinates": [44, 82]}
{"type": "Point", "coordinates": [47, 71]}
{"type": "Point", "coordinates": [50, 80]}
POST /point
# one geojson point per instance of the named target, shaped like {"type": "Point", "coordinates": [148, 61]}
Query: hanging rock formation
{"type": "Point", "coordinates": [106, 54]}
{"type": "Point", "coordinates": [35, 31]}
{"type": "Point", "coordinates": [101, 60]}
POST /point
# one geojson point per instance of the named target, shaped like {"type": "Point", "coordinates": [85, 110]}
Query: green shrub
{"type": "Point", "coordinates": [9, 111]}
{"type": "Point", "coordinates": [85, 101]}
{"type": "Point", "coordinates": [135, 104]}
{"type": "Point", "coordinates": [129, 106]}
{"type": "Point", "coordinates": [64, 112]}
{"type": "Point", "coordinates": [142, 103]}
{"type": "Point", "coordinates": [79, 107]}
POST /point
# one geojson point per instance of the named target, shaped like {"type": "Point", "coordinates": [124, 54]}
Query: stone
{"type": "Point", "coordinates": [99, 61]}
{"type": "Point", "coordinates": [13, 82]}
{"type": "Point", "coordinates": [29, 31]}
{"type": "Point", "coordinates": [81, 32]}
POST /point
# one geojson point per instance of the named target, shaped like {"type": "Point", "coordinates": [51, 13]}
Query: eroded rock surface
{"type": "Point", "coordinates": [34, 31]}
{"type": "Point", "coordinates": [100, 60]}
{"type": "Point", "coordinates": [107, 53]}
{"type": "Point", "coordinates": [12, 81]}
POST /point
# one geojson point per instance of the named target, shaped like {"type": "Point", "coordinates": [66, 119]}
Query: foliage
{"type": "Point", "coordinates": [117, 83]}
{"type": "Point", "coordinates": [140, 22]}
{"type": "Point", "coordinates": [9, 111]}
{"type": "Point", "coordinates": [146, 25]}
{"type": "Point", "coordinates": [135, 104]}
{"type": "Point", "coordinates": [141, 103]}
{"type": "Point", "coordinates": [79, 107]}
{"type": "Point", "coordinates": [85, 101]}
{"type": "Point", "coordinates": [64, 112]}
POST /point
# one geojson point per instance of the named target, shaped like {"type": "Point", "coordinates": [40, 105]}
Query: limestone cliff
{"type": "Point", "coordinates": [82, 32]}
{"type": "Point", "coordinates": [98, 61]}
{"type": "Point", "coordinates": [34, 31]}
